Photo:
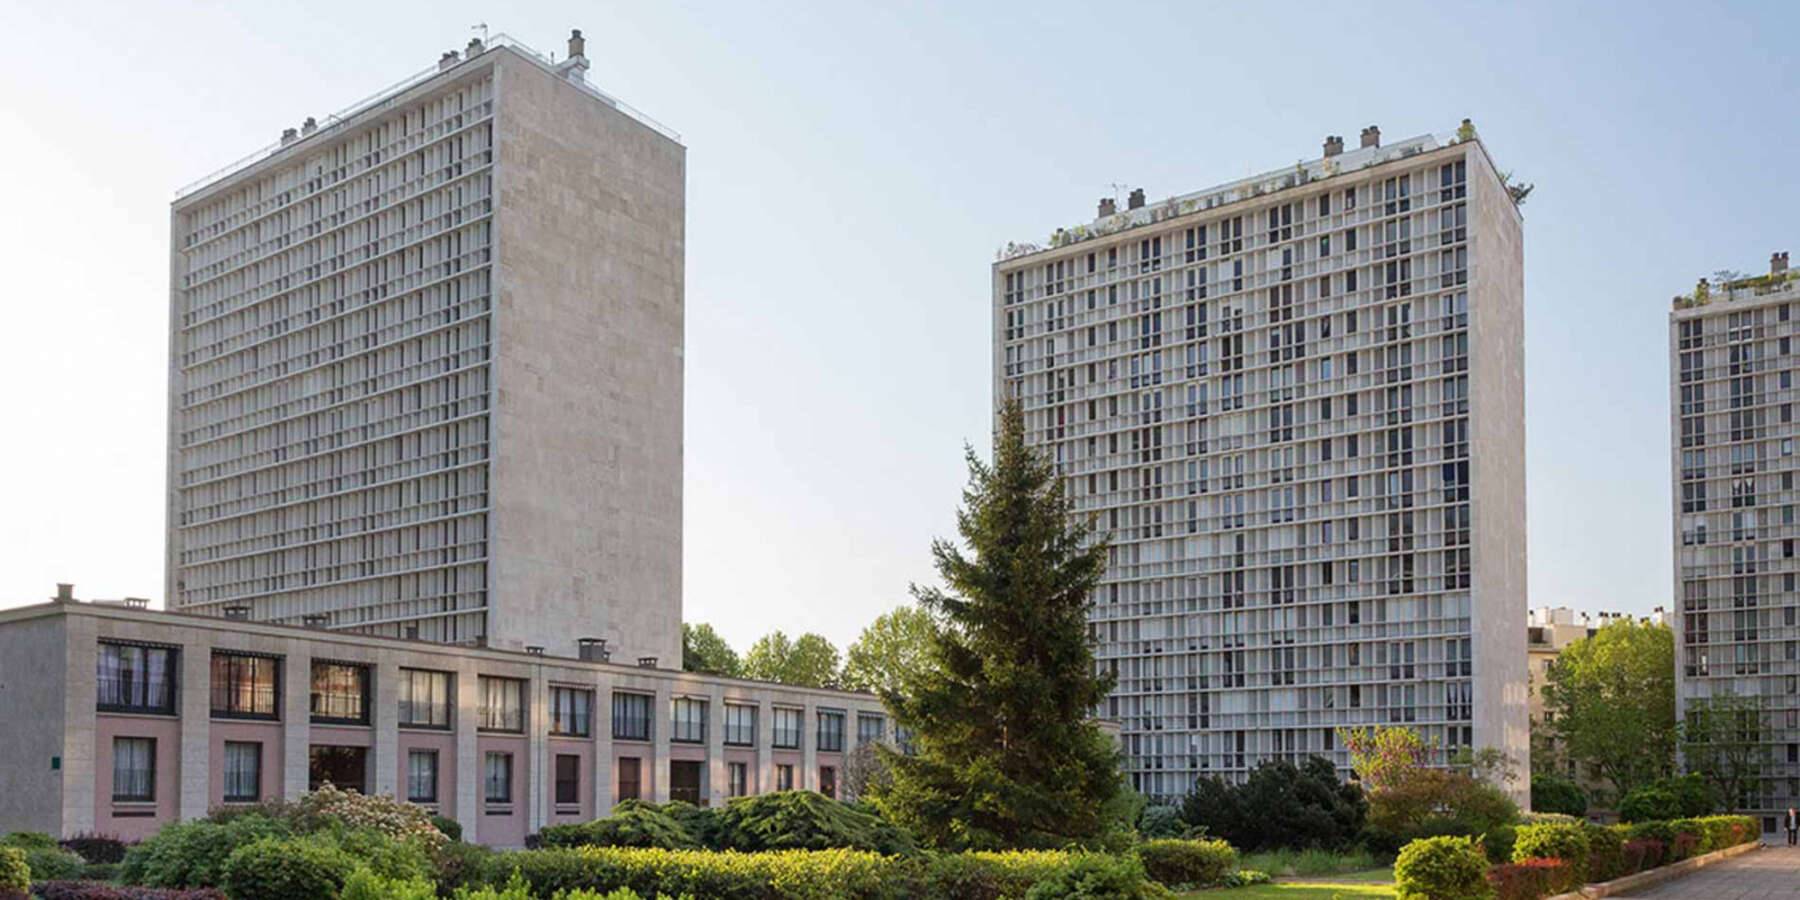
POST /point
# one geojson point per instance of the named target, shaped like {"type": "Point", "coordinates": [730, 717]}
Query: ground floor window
{"type": "Point", "coordinates": [499, 777]}
{"type": "Point", "coordinates": [739, 776]}
{"type": "Point", "coordinates": [134, 769]}
{"type": "Point", "coordinates": [784, 777]}
{"type": "Point", "coordinates": [828, 781]}
{"type": "Point", "coordinates": [346, 768]}
{"type": "Point", "coordinates": [568, 779]}
{"type": "Point", "coordinates": [684, 781]}
{"type": "Point", "coordinates": [631, 783]}
{"type": "Point", "coordinates": [243, 771]}
{"type": "Point", "coordinates": [422, 776]}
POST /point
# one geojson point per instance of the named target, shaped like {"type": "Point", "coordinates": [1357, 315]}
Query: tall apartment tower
{"type": "Point", "coordinates": [1296, 402]}
{"type": "Point", "coordinates": [1732, 436]}
{"type": "Point", "coordinates": [426, 368]}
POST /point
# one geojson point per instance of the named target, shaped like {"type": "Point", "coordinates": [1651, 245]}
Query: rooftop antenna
{"type": "Point", "coordinates": [481, 27]}
{"type": "Point", "coordinates": [1118, 191]}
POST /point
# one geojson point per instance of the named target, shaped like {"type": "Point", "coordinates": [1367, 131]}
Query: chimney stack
{"type": "Point", "coordinates": [1778, 263]}
{"type": "Point", "coordinates": [309, 126]}
{"type": "Point", "coordinates": [1108, 206]}
{"type": "Point", "coordinates": [646, 662]}
{"type": "Point", "coordinates": [1334, 144]}
{"type": "Point", "coordinates": [289, 135]}
{"type": "Point", "coordinates": [1136, 200]}
{"type": "Point", "coordinates": [447, 60]}
{"type": "Point", "coordinates": [577, 43]}
{"type": "Point", "coordinates": [1371, 136]}
{"type": "Point", "coordinates": [65, 593]}
{"type": "Point", "coordinates": [474, 49]}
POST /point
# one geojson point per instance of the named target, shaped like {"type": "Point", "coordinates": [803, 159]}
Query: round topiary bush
{"type": "Point", "coordinates": [1442, 868]}
{"type": "Point", "coordinates": [1177, 862]}
{"type": "Point", "coordinates": [287, 869]}
{"type": "Point", "coordinates": [15, 877]}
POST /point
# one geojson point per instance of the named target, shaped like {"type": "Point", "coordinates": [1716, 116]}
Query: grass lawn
{"type": "Point", "coordinates": [1374, 883]}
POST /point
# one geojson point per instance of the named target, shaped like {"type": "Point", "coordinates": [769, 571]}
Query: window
{"type": "Point", "coordinates": [631, 717]}
{"type": "Point", "coordinates": [740, 724]}
{"type": "Point", "coordinates": [502, 703]}
{"type": "Point", "coordinates": [684, 781]}
{"type": "Point", "coordinates": [424, 698]}
{"type": "Point", "coordinates": [343, 767]}
{"type": "Point", "coordinates": [499, 777]}
{"type": "Point", "coordinates": [831, 731]}
{"type": "Point", "coordinates": [422, 776]}
{"type": "Point", "coordinates": [828, 781]}
{"type": "Point", "coordinates": [340, 693]}
{"type": "Point", "coordinates": [870, 728]}
{"type": "Point", "coordinates": [571, 711]}
{"type": "Point", "coordinates": [134, 770]}
{"type": "Point", "coordinates": [787, 727]}
{"type": "Point", "coordinates": [568, 779]}
{"type": "Point", "coordinates": [244, 686]}
{"type": "Point", "coordinates": [243, 771]}
{"type": "Point", "coordinates": [687, 716]}
{"type": "Point", "coordinates": [738, 779]}
{"type": "Point", "coordinates": [136, 678]}
{"type": "Point", "coordinates": [630, 778]}
{"type": "Point", "coordinates": [784, 777]}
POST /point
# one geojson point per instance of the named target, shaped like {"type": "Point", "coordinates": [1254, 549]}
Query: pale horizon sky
{"type": "Point", "coordinates": [852, 168]}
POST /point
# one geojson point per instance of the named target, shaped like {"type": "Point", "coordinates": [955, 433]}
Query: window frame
{"type": "Point", "coordinates": [777, 713]}
{"type": "Point", "coordinates": [820, 718]}
{"type": "Point", "coordinates": [559, 722]}
{"type": "Point", "coordinates": [744, 728]}
{"type": "Point", "coordinates": [408, 683]}
{"type": "Point", "coordinates": [231, 691]}
{"type": "Point", "coordinates": [314, 694]}
{"type": "Point", "coordinates": [171, 678]}
{"type": "Point", "coordinates": [648, 718]}
{"type": "Point", "coordinates": [558, 782]}
{"type": "Point", "coordinates": [255, 795]}
{"type": "Point", "coordinates": [488, 781]}
{"type": "Point", "coordinates": [149, 777]}
{"type": "Point", "coordinates": [436, 775]}
{"type": "Point", "coordinates": [487, 686]}
{"type": "Point", "coordinates": [691, 729]}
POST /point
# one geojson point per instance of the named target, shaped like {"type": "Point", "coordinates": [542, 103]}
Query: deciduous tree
{"type": "Point", "coordinates": [893, 652]}
{"type": "Point", "coordinates": [703, 650]}
{"type": "Point", "coordinates": [1612, 702]}
{"type": "Point", "coordinates": [810, 661]}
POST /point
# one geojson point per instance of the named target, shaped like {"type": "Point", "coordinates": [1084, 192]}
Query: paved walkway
{"type": "Point", "coordinates": [1772, 873]}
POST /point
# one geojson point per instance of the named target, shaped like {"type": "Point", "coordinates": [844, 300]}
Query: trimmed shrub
{"type": "Point", "coordinates": [1659, 831]}
{"type": "Point", "coordinates": [15, 875]}
{"type": "Point", "coordinates": [1093, 876]}
{"type": "Point", "coordinates": [193, 854]}
{"type": "Point", "coordinates": [46, 860]}
{"type": "Point", "coordinates": [366, 885]}
{"type": "Point", "coordinates": [1606, 853]}
{"type": "Point", "coordinates": [1176, 862]}
{"type": "Point", "coordinates": [96, 848]}
{"type": "Point", "coordinates": [28, 840]}
{"type": "Point", "coordinates": [1498, 843]}
{"type": "Point", "coordinates": [1531, 879]}
{"type": "Point", "coordinates": [448, 827]}
{"type": "Point", "coordinates": [988, 875]}
{"type": "Point", "coordinates": [632, 824]}
{"type": "Point", "coordinates": [1727, 831]}
{"type": "Point", "coordinates": [1685, 845]}
{"type": "Point", "coordinates": [1439, 868]}
{"type": "Point", "coordinates": [807, 875]}
{"type": "Point", "coordinates": [1568, 843]}
{"type": "Point", "coordinates": [1279, 805]}
{"type": "Point", "coordinates": [1245, 878]}
{"type": "Point", "coordinates": [88, 890]}
{"type": "Point", "coordinates": [1643, 853]}
{"type": "Point", "coordinates": [805, 820]}
{"type": "Point", "coordinates": [460, 865]}
{"type": "Point", "coordinates": [1547, 818]}
{"type": "Point", "coordinates": [292, 869]}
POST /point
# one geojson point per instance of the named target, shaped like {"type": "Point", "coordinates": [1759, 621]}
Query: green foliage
{"type": "Point", "coordinates": [1668, 798]}
{"type": "Point", "coordinates": [1442, 868]}
{"type": "Point", "coordinates": [1096, 877]}
{"type": "Point", "coordinates": [1611, 700]}
{"type": "Point", "coordinates": [1278, 806]}
{"type": "Point", "coordinates": [1430, 802]}
{"type": "Point", "coordinates": [1007, 754]}
{"type": "Point", "coordinates": [1498, 843]}
{"type": "Point", "coordinates": [701, 823]}
{"type": "Point", "coordinates": [1179, 862]}
{"type": "Point", "coordinates": [804, 820]}
{"type": "Point", "coordinates": [633, 823]}
{"type": "Point", "coordinates": [1554, 793]}
{"type": "Point", "coordinates": [1310, 863]}
{"type": "Point", "coordinates": [460, 865]}
{"type": "Point", "coordinates": [891, 654]}
{"type": "Point", "coordinates": [1532, 879]}
{"type": "Point", "coordinates": [448, 827]}
{"type": "Point", "coordinates": [810, 661]}
{"type": "Point", "coordinates": [193, 853]}
{"type": "Point", "coordinates": [46, 860]}
{"type": "Point", "coordinates": [1382, 757]}
{"type": "Point", "coordinates": [797, 874]}
{"type": "Point", "coordinates": [306, 868]}
{"type": "Point", "coordinates": [96, 848]}
{"type": "Point", "coordinates": [703, 650]}
{"type": "Point", "coordinates": [1568, 843]}
{"type": "Point", "coordinates": [15, 875]}
{"type": "Point", "coordinates": [1606, 852]}
{"type": "Point", "coordinates": [988, 875]}
{"type": "Point", "coordinates": [1722, 742]}
{"type": "Point", "coordinates": [1161, 821]}
{"type": "Point", "coordinates": [1245, 878]}
{"type": "Point", "coordinates": [366, 885]}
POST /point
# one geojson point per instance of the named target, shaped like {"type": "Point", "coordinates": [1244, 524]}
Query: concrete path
{"type": "Point", "coordinates": [1772, 873]}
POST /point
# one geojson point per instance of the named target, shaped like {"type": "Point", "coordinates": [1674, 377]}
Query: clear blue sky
{"type": "Point", "coordinates": [852, 169]}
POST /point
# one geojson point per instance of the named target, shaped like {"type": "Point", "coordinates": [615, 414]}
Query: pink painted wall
{"type": "Point", "coordinates": [504, 825]}
{"type": "Point", "coordinates": [167, 733]}
{"type": "Point", "coordinates": [584, 810]}
{"type": "Point", "coordinates": [444, 743]}
{"type": "Point", "coordinates": [690, 752]}
{"type": "Point", "coordinates": [268, 734]}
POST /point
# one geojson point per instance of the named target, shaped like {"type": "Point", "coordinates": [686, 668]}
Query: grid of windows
{"type": "Point", "coordinates": [1272, 424]}
{"type": "Point", "coordinates": [330, 418]}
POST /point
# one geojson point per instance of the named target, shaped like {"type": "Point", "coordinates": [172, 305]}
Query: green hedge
{"type": "Point", "coordinates": [1179, 862]}
{"type": "Point", "coordinates": [287, 869]}
{"type": "Point", "coordinates": [1441, 868]}
{"type": "Point", "coordinates": [1568, 843]}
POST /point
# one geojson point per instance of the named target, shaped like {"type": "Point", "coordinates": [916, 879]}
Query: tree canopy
{"type": "Point", "coordinates": [892, 653]}
{"type": "Point", "coordinates": [810, 661]}
{"type": "Point", "coordinates": [1006, 752]}
{"type": "Point", "coordinates": [1611, 700]}
{"type": "Point", "coordinates": [703, 650]}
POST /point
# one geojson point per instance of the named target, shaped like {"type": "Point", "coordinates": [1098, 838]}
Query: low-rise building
{"type": "Point", "coordinates": [123, 719]}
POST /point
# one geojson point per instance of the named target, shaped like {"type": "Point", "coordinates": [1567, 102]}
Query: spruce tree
{"type": "Point", "coordinates": [1006, 751]}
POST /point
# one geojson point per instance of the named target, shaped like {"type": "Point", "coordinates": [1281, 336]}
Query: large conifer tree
{"type": "Point", "coordinates": [1006, 751]}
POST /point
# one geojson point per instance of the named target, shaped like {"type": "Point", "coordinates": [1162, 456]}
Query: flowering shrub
{"type": "Point", "coordinates": [1530, 879]}
{"type": "Point", "coordinates": [1568, 843]}
{"type": "Point", "coordinates": [397, 819]}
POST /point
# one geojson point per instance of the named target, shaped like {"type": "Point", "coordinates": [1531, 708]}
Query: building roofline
{"type": "Point", "coordinates": [53, 608]}
{"type": "Point", "coordinates": [425, 79]}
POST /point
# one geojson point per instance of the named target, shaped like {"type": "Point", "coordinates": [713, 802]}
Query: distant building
{"type": "Point", "coordinates": [124, 719]}
{"type": "Point", "coordinates": [426, 375]}
{"type": "Point", "coordinates": [1548, 631]}
{"type": "Point", "coordinates": [1732, 434]}
{"type": "Point", "coordinates": [1296, 404]}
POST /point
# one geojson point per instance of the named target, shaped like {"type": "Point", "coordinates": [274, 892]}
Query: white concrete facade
{"type": "Point", "coordinates": [59, 774]}
{"type": "Point", "coordinates": [1296, 403]}
{"type": "Point", "coordinates": [426, 370]}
